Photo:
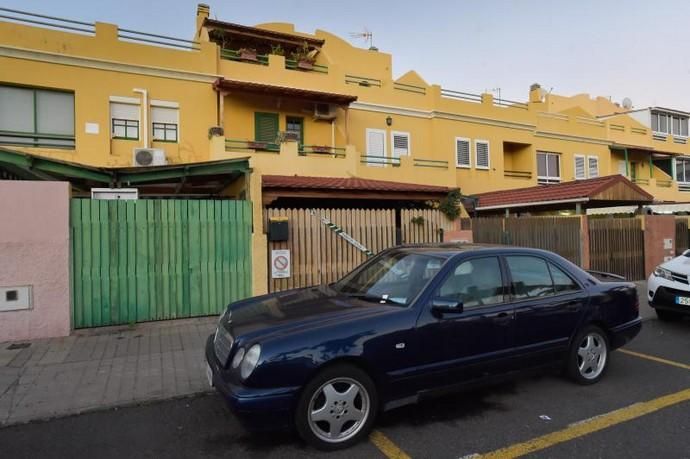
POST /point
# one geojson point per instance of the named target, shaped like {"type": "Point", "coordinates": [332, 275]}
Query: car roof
{"type": "Point", "coordinates": [447, 250]}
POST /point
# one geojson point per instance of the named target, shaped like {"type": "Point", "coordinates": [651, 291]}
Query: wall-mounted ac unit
{"type": "Point", "coordinates": [143, 157]}
{"type": "Point", "coordinates": [324, 112]}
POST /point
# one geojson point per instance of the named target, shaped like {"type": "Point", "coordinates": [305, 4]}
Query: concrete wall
{"type": "Point", "coordinates": [659, 241]}
{"type": "Point", "coordinates": [34, 250]}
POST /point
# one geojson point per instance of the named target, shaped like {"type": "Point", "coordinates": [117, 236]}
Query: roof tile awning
{"type": "Point", "coordinates": [275, 186]}
{"type": "Point", "coordinates": [596, 192]}
{"type": "Point", "coordinates": [274, 90]}
{"type": "Point", "coordinates": [262, 34]}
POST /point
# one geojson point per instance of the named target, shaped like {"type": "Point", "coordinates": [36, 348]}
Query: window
{"type": "Point", "coordinates": [548, 168]}
{"type": "Point", "coordinates": [265, 127]}
{"type": "Point", "coordinates": [593, 166]}
{"type": "Point", "coordinates": [36, 117]}
{"type": "Point", "coordinates": [462, 152]}
{"type": "Point", "coordinates": [481, 149]}
{"type": "Point", "coordinates": [580, 167]}
{"type": "Point", "coordinates": [295, 126]}
{"type": "Point", "coordinates": [666, 123]}
{"type": "Point", "coordinates": [401, 144]}
{"type": "Point", "coordinates": [477, 282]}
{"type": "Point", "coordinates": [376, 147]}
{"type": "Point", "coordinates": [531, 278]}
{"type": "Point", "coordinates": [622, 168]}
{"type": "Point", "coordinates": [124, 118]}
{"type": "Point", "coordinates": [683, 170]}
{"type": "Point", "coordinates": [164, 121]}
{"type": "Point", "coordinates": [562, 283]}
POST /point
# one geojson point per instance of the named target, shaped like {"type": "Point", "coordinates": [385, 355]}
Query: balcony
{"type": "Point", "coordinates": [249, 57]}
{"type": "Point", "coordinates": [526, 175]}
{"type": "Point", "coordinates": [320, 150]}
{"type": "Point", "coordinates": [251, 145]}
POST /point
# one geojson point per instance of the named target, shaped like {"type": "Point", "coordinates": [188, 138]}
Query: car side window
{"type": "Point", "coordinates": [531, 277]}
{"type": "Point", "coordinates": [476, 282]}
{"type": "Point", "coordinates": [562, 283]}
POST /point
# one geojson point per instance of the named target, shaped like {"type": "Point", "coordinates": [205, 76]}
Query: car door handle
{"type": "Point", "coordinates": [500, 318]}
{"type": "Point", "coordinates": [573, 305]}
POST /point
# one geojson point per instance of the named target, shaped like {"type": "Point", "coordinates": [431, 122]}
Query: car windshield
{"type": "Point", "coordinates": [393, 278]}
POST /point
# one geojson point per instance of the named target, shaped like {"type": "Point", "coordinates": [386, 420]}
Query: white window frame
{"type": "Point", "coordinates": [134, 102]}
{"type": "Point", "coordinates": [469, 152]}
{"type": "Point", "coordinates": [400, 134]}
{"type": "Point", "coordinates": [588, 167]}
{"type": "Point", "coordinates": [476, 155]}
{"type": "Point", "coordinates": [170, 105]}
{"type": "Point", "coordinates": [675, 170]}
{"type": "Point", "coordinates": [385, 147]}
{"type": "Point", "coordinates": [544, 179]}
{"type": "Point", "coordinates": [585, 170]}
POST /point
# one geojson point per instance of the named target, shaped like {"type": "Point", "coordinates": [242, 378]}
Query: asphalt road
{"type": "Point", "coordinates": [461, 425]}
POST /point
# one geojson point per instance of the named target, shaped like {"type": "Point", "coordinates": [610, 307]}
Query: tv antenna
{"type": "Point", "coordinates": [366, 35]}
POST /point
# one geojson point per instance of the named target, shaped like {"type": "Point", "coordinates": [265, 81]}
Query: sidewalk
{"type": "Point", "coordinates": [102, 368]}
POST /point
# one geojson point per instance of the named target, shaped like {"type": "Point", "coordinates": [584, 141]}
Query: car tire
{"type": "Point", "coordinates": [588, 356]}
{"type": "Point", "coordinates": [667, 316]}
{"type": "Point", "coordinates": [337, 408]}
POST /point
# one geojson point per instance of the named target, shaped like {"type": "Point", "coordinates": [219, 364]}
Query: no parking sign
{"type": "Point", "coordinates": [280, 264]}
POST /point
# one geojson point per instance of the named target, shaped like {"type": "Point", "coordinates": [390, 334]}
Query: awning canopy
{"type": "Point", "coordinates": [247, 33]}
{"type": "Point", "coordinates": [612, 190]}
{"type": "Point", "coordinates": [198, 179]}
{"type": "Point", "coordinates": [274, 90]}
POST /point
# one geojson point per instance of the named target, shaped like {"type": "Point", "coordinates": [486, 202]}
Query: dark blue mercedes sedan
{"type": "Point", "coordinates": [409, 323]}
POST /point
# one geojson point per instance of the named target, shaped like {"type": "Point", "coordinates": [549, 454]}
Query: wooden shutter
{"type": "Point", "coordinates": [481, 149]}
{"type": "Point", "coordinates": [462, 152]}
{"type": "Point", "coordinates": [265, 127]}
{"type": "Point", "coordinates": [580, 167]}
{"type": "Point", "coordinates": [593, 163]}
{"type": "Point", "coordinates": [401, 144]}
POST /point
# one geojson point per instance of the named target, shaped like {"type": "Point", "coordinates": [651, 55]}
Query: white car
{"type": "Point", "coordinates": [668, 288]}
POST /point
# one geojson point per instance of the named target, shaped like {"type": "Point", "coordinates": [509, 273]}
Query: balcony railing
{"type": "Point", "coordinates": [321, 150]}
{"type": "Point", "coordinates": [47, 21]}
{"type": "Point", "coordinates": [660, 136]}
{"type": "Point", "coordinates": [683, 186]}
{"type": "Point", "coordinates": [517, 174]}
{"type": "Point", "coordinates": [664, 183]}
{"type": "Point", "coordinates": [32, 139]}
{"type": "Point", "coordinates": [296, 65]}
{"type": "Point", "coordinates": [379, 160]}
{"type": "Point", "coordinates": [256, 145]}
{"type": "Point", "coordinates": [466, 96]}
{"type": "Point", "coordinates": [410, 88]}
{"type": "Point", "coordinates": [640, 181]}
{"type": "Point", "coordinates": [235, 55]}
{"type": "Point", "coordinates": [510, 104]}
{"type": "Point", "coordinates": [362, 81]}
{"type": "Point", "coordinates": [435, 163]}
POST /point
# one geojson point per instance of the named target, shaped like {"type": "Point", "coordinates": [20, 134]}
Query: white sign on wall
{"type": "Point", "coordinates": [280, 264]}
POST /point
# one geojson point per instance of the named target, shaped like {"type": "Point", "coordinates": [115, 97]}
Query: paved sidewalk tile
{"type": "Point", "coordinates": [102, 368]}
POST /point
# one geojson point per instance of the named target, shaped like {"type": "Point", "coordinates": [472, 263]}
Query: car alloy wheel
{"type": "Point", "coordinates": [591, 355]}
{"type": "Point", "coordinates": [338, 410]}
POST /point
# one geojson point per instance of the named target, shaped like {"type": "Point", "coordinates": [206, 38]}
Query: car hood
{"type": "Point", "coordinates": [298, 310]}
{"type": "Point", "coordinates": [679, 264]}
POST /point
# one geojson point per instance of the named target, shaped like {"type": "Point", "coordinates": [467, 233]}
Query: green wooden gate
{"type": "Point", "coordinates": [135, 261]}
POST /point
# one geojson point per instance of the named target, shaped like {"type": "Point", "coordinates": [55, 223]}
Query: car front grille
{"type": "Point", "coordinates": [222, 344]}
{"type": "Point", "coordinates": [682, 278]}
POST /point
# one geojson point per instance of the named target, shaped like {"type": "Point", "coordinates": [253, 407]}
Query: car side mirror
{"type": "Point", "coordinates": [444, 306]}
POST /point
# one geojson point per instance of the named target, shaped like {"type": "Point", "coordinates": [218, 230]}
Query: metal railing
{"type": "Point", "coordinates": [659, 136]}
{"type": "Point", "coordinates": [664, 183]}
{"type": "Point", "coordinates": [466, 96]}
{"type": "Point", "coordinates": [410, 88]}
{"type": "Point", "coordinates": [640, 181]}
{"type": "Point", "coordinates": [554, 116]}
{"type": "Point", "coordinates": [362, 81]}
{"type": "Point", "coordinates": [636, 130]}
{"type": "Point", "coordinates": [321, 150]}
{"type": "Point", "coordinates": [295, 65]}
{"type": "Point", "coordinates": [256, 145]}
{"type": "Point", "coordinates": [380, 160]}
{"type": "Point", "coordinates": [439, 164]}
{"type": "Point", "coordinates": [235, 55]}
{"type": "Point", "coordinates": [517, 174]}
{"type": "Point", "coordinates": [47, 21]}
{"type": "Point", "coordinates": [33, 139]}
{"type": "Point", "coordinates": [164, 40]}
{"type": "Point", "coordinates": [510, 104]}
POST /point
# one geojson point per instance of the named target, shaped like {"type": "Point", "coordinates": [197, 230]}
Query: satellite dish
{"type": "Point", "coordinates": [627, 103]}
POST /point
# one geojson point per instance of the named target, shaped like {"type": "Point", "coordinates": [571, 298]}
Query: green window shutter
{"type": "Point", "coordinates": [265, 127]}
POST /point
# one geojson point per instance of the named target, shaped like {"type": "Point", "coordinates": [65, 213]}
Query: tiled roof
{"type": "Point", "coordinates": [271, 89]}
{"type": "Point", "coordinates": [349, 184]}
{"type": "Point", "coordinates": [575, 190]}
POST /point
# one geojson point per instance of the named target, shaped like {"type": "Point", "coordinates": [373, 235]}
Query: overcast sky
{"type": "Point", "coordinates": [613, 48]}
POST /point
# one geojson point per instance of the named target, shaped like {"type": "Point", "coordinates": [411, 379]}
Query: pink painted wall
{"type": "Point", "coordinates": [34, 250]}
{"type": "Point", "coordinates": [658, 229]}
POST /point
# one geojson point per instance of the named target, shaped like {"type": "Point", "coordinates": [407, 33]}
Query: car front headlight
{"type": "Point", "coordinates": [663, 273]}
{"type": "Point", "coordinates": [251, 358]}
{"type": "Point", "coordinates": [239, 355]}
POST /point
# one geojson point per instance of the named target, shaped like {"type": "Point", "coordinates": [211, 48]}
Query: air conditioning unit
{"type": "Point", "coordinates": [144, 157]}
{"type": "Point", "coordinates": [324, 112]}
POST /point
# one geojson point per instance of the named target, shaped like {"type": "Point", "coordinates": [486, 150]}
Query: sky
{"type": "Point", "coordinates": [612, 48]}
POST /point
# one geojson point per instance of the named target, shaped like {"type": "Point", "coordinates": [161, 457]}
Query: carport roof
{"type": "Point", "coordinates": [596, 192]}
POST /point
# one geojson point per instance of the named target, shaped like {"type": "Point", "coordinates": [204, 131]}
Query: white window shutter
{"type": "Point", "coordinates": [401, 144]}
{"type": "Point", "coordinates": [124, 111]}
{"type": "Point", "coordinates": [593, 166]}
{"type": "Point", "coordinates": [376, 146]}
{"type": "Point", "coordinates": [482, 151]}
{"type": "Point", "coordinates": [580, 167]}
{"type": "Point", "coordinates": [462, 152]}
{"type": "Point", "coordinates": [164, 115]}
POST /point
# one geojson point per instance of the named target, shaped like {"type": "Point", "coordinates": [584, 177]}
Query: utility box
{"type": "Point", "coordinates": [278, 229]}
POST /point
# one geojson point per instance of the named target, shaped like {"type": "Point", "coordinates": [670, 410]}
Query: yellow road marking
{"type": "Point", "coordinates": [655, 359]}
{"type": "Point", "coordinates": [386, 446]}
{"type": "Point", "coordinates": [589, 426]}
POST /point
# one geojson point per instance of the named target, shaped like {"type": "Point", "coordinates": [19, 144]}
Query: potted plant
{"type": "Point", "coordinates": [277, 50]}
{"type": "Point", "coordinates": [321, 149]}
{"type": "Point", "coordinates": [248, 54]}
{"type": "Point", "coordinates": [304, 57]}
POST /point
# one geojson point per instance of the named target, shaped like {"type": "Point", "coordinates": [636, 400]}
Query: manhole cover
{"type": "Point", "coordinates": [16, 346]}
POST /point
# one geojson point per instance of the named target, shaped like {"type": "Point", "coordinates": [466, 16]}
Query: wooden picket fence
{"type": "Point", "coordinates": [617, 246]}
{"type": "Point", "coordinates": [557, 234]}
{"type": "Point", "coordinates": [318, 255]}
{"type": "Point", "coordinates": [423, 225]}
{"type": "Point", "coordinates": [682, 236]}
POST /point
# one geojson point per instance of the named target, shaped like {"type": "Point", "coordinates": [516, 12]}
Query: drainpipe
{"type": "Point", "coordinates": [333, 135]}
{"type": "Point", "coordinates": [651, 166]}
{"type": "Point", "coordinates": [145, 111]}
{"type": "Point", "coordinates": [627, 164]}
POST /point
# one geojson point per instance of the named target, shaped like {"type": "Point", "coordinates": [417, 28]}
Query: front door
{"type": "Point", "coordinates": [464, 345]}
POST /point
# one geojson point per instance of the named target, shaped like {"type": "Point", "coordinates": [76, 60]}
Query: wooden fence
{"type": "Point", "coordinates": [318, 255]}
{"type": "Point", "coordinates": [423, 225]}
{"type": "Point", "coordinates": [561, 235]}
{"type": "Point", "coordinates": [682, 236]}
{"type": "Point", "coordinates": [617, 246]}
